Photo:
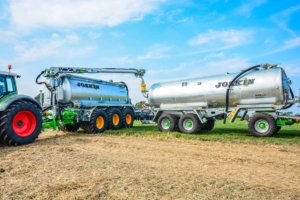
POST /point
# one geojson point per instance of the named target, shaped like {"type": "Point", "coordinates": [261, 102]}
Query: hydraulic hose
{"type": "Point", "coordinates": [292, 95]}
{"type": "Point", "coordinates": [229, 86]}
{"type": "Point", "coordinates": [49, 87]}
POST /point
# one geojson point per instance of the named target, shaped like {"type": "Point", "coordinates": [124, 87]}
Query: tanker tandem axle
{"type": "Point", "coordinates": [95, 105]}
{"type": "Point", "coordinates": [195, 104]}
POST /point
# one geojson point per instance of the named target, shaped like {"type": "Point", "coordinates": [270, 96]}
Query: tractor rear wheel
{"type": "Point", "coordinates": [20, 124]}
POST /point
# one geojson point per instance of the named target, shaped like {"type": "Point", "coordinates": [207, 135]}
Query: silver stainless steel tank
{"type": "Point", "coordinates": [266, 86]}
{"type": "Point", "coordinates": [89, 91]}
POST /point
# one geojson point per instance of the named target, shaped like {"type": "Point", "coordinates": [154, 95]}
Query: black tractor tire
{"type": "Point", "coordinates": [72, 128]}
{"type": "Point", "coordinates": [114, 118]}
{"type": "Point", "coordinates": [167, 123]}
{"type": "Point", "coordinates": [278, 128]}
{"type": "Point", "coordinates": [262, 125]}
{"type": "Point", "coordinates": [127, 118]}
{"type": "Point", "coordinates": [209, 125]}
{"type": "Point", "coordinates": [189, 124]}
{"type": "Point", "coordinates": [20, 124]}
{"type": "Point", "coordinates": [98, 122]}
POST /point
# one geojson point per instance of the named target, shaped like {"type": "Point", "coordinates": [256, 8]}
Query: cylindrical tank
{"type": "Point", "coordinates": [265, 86]}
{"type": "Point", "coordinates": [90, 92]}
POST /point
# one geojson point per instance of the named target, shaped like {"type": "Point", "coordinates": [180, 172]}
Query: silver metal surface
{"type": "Point", "coordinates": [261, 126]}
{"type": "Point", "coordinates": [87, 91]}
{"type": "Point", "coordinates": [265, 86]}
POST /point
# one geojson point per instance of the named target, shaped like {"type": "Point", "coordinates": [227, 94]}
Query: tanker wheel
{"type": "Point", "coordinates": [127, 118]}
{"type": "Point", "coordinates": [262, 125]}
{"type": "Point", "coordinates": [98, 122]}
{"type": "Point", "coordinates": [209, 125]}
{"type": "Point", "coordinates": [114, 117]}
{"type": "Point", "coordinates": [20, 124]}
{"type": "Point", "coordinates": [167, 122]}
{"type": "Point", "coordinates": [189, 123]}
{"type": "Point", "coordinates": [72, 128]}
{"type": "Point", "coordinates": [278, 128]}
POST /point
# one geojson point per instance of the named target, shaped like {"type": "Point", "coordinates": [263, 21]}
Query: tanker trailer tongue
{"type": "Point", "coordinates": [193, 105]}
{"type": "Point", "coordinates": [72, 101]}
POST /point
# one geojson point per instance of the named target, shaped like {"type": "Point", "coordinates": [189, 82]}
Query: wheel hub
{"type": "Point", "coordinates": [262, 125]}
{"type": "Point", "coordinates": [24, 123]}
{"type": "Point", "coordinates": [19, 123]}
{"type": "Point", "coordinates": [188, 124]}
{"type": "Point", "coordinates": [166, 123]}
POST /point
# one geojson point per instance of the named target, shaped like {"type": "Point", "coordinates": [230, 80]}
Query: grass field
{"type": "Point", "coordinates": [143, 163]}
{"type": "Point", "coordinates": [237, 131]}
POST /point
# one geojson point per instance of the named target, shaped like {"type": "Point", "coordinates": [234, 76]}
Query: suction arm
{"type": "Point", "coordinates": [56, 71]}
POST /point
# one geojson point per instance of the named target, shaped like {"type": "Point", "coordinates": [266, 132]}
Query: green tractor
{"type": "Point", "coordinates": [20, 115]}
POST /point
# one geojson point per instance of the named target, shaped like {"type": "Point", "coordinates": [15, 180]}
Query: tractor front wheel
{"type": "Point", "coordinates": [20, 124]}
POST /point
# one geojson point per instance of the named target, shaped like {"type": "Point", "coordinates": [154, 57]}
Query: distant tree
{"type": "Point", "coordinates": [139, 104]}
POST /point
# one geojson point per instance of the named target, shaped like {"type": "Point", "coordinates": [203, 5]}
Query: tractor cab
{"type": "Point", "coordinates": [7, 83]}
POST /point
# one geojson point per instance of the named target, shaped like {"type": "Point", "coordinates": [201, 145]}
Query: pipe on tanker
{"type": "Point", "coordinates": [231, 83]}
{"type": "Point", "coordinates": [292, 95]}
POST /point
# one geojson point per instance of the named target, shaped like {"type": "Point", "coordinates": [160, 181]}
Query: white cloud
{"type": "Point", "coordinates": [231, 37]}
{"type": "Point", "coordinates": [156, 52]}
{"type": "Point", "coordinates": [54, 46]}
{"type": "Point", "coordinates": [247, 7]}
{"type": "Point", "coordinates": [94, 35]}
{"type": "Point", "coordinates": [288, 44]}
{"type": "Point", "coordinates": [117, 34]}
{"type": "Point", "coordinates": [282, 18]}
{"type": "Point", "coordinates": [124, 59]}
{"type": "Point", "coordinates": [28, 14]}
{"type": "Point", "coordinates": [8, 36]}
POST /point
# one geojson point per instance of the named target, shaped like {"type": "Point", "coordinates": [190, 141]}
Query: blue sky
{"type": "Point", "coordinates": [170, 39]}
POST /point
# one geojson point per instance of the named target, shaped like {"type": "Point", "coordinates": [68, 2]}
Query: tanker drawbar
{"type": "Point", "coordinates": [194, 104]}
{"type": "Point", "coordinates": [72, 101]}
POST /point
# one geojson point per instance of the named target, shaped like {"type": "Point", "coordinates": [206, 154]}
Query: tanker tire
{"type": "Point", "coordinates": [98, 122]}
{"type": "Point", "coordinates": [72, 128]}
{"type": "Point", "coordinates": [189, 124]}
{"type": "Point", "coordinates": [278, 129]}
{"type": "Point", "coordinates": [20, 124]}
{"type": "Point", "coordinates": [167, 123]}
{"type": "Point", "coordinates": [127, 118]}
{"type": "Point", "coordinates": [262, 125]}
{"type": "Point", "coordinates": [209, 125]}
{"type": "Point", "coordinates": [114, 118]}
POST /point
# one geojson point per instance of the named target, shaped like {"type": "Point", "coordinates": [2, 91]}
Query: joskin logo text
{"type": "Point", "coordinates": [244, 82]}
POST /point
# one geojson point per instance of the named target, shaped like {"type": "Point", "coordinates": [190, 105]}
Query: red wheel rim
{"type": "Point", "coordinates": [24, 123]}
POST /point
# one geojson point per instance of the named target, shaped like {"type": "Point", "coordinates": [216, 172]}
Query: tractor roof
{"type": "Point", "coordinates": [8, 73]}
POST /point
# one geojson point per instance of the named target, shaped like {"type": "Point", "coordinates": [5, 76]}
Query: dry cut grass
{"type": "Point", "coordinates": [80, 166]}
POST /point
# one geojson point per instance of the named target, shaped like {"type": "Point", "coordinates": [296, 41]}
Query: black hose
{"type": "Point", "coordinates": [230, 84]}
{"type": "Point", "coordinates": [292, 94]}
{"type": "Point", "coordinates": [36, 80]}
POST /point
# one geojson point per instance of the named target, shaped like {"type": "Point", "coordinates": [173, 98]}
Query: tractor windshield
{"type": "Point", "coordinates": [7, 85]}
